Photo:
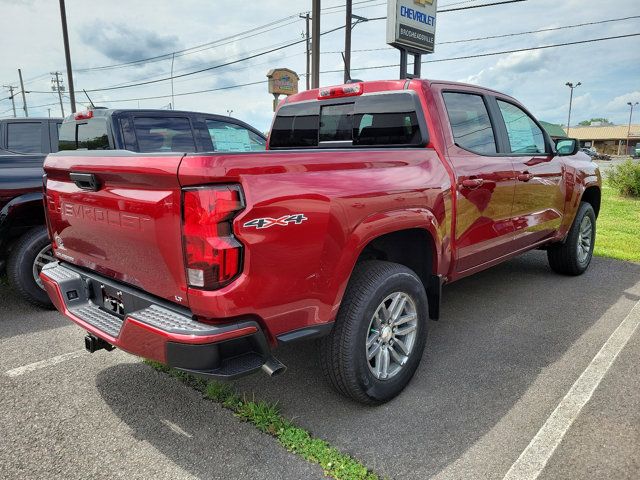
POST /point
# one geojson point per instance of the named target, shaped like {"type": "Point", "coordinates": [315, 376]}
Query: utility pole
{"type": "Point", "coordinates": [315, 44]}
{"type": "Point", "coordinates": [629, 130]}
{"type": "Point", "coordinates": [49, 112]}
{"type": "Point", "coordinates": [56, 87]}
{"type": "Point", "coordinates": [67, 54]}
{"type": "Point", "coordinates": [347, 43]}
{"type": "Point", "coordinates": [24, 97]}
{"type": "Point", "coordinates": [173, 101]}
{"type": "Point", "coordinates": [12, 97]}
{"type": "Point", "coordinates": [571, 86]}
{"type": "Point", "coordinates": [307, 17]}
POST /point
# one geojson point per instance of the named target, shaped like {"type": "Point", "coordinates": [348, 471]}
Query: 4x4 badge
{"type": "Point", "coordinates": [283, 221]}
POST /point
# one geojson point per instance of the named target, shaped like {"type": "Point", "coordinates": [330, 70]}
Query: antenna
{"type": "Point", "coordinates": [85, 92]}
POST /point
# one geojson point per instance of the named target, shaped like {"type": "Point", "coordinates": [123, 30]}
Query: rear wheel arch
{"type": "Point", "coordinates": [592, 195]}
{"type": "Point", "coordinates": [413, 247]}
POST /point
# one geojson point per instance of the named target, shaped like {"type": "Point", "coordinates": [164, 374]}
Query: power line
{"type": "Point", "coordinates": [225, 64]}
{"type": "Point", "coordinates": [466, 57]}
{"type": "Point", "coordinates": [466, 40]}
{"type": "Point", "coordinates": [503, 52]}
{"type": "Point", "coordinates": [189, 51]}
{"type": "Point", "coordinates": [148, 82]}
{"type": "Point", "coordinates": [244, 36]}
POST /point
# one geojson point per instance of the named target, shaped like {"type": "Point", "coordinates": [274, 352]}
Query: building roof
{"type": "Point", "coordinates": [553, 130]}
{"type": "Point", "coordinates": [608, 132]}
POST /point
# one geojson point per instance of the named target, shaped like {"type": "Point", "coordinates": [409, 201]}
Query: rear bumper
{"type": "Point", "coordinates": [153, 328]}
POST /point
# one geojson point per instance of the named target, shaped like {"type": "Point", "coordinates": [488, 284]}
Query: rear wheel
{"type": "Point", "coordinates": [574, 255]}
{"type": "Point", "coordinates": [377, 342]}
{"type": "Point", "coordinates": [31, 252]}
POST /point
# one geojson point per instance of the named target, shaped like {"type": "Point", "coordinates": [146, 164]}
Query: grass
{"type": "Point", "coordinates": [266, 417]}
{"type": "Point", "coordinates": [618, 234]}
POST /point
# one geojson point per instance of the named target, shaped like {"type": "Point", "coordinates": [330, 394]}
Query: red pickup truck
{"type": "Point", "coordinates": [371, 197]}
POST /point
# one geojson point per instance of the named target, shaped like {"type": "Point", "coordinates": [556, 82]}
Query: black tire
{"type": "Point", "coordinates": [564, 258]}
{"type": "Point", "coordinates": [20, 266]}
{"type": "Point", "coordinates": [343, 351]}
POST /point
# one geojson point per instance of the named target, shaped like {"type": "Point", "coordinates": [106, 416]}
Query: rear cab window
{"type": "Point", "coordinates": [91, 134]}
{"type": "Point", "coordinates": [391, 119]}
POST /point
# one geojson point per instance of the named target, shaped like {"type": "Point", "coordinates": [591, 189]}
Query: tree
{"type": "Point", "coordinates": [586, 123]}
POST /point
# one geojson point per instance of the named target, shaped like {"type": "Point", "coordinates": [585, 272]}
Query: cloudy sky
{"type": "Point", "coordinates": [116, 32]}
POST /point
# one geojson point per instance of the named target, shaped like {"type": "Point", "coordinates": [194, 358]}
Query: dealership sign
{"type": "Point", "coordinates": [411, 25]}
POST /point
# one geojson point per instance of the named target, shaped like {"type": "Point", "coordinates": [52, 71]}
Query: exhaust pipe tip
{"type": "Point", "coordinates": [273, 367]}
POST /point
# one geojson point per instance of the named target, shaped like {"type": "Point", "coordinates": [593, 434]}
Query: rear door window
{"type": "Point", "coordinates": [231, 137]}
{"type": "Point", "coordinates": [164, 134]}
{"type": "Point", "coordinates": [372, 120]}
{"type": "Point", "coordinates": [470, 122]}
{"type": "Point", "coordinates": [24, 137]}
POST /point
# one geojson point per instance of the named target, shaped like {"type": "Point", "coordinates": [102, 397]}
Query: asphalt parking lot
{"type": "Point", "coordinates": [511, 343]}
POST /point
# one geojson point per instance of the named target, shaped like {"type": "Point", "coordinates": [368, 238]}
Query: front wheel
{"type": "Point", "coordinates": [379, 335]}
{"type": "Point", "coordinates": [31, 252]}
{"type": "Point", "coordinates": [574, 255]}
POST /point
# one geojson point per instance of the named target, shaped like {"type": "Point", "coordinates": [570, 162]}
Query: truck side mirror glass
{"type": "Point", "coordinates": [566, 146]}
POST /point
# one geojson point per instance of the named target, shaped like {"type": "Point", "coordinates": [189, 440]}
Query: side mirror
{"type": "Point", "coordinates": [567, 146]}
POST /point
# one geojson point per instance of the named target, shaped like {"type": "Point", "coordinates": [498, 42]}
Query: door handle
{"type": "Point", "coordinates": [472, 183]}
{"type": "Point", "coordinates": [525, 177]}
{"type": "Point", "coordinates": [85, 181]}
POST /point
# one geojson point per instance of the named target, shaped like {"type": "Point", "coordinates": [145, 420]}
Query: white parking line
{"type": "Point", "coordinates": [16, 372]}
{"type": "Point", "coordinates": [175, 428]}
{"type": "Point", "coordinates": [534, 458]}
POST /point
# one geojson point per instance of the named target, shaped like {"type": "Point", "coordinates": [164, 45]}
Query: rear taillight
{"type": "Point", "coordinates": [213, 256]}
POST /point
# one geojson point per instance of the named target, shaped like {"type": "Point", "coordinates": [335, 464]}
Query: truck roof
{"type": "Point", "coordinates": [30, 119]}
{"type": "Point", "coordinates": [386, 85]}
{"type": "Point", "coordinates": [106, 112]}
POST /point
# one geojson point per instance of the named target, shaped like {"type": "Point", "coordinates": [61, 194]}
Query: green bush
{"type": "Point", "coordinates": [625, 178]}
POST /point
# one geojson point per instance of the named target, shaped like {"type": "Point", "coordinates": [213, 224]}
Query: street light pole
{"type": "Point", "coordinates": [67, 54]}
{"type": "Point", "coordinates": [571, 86]}
{"type": "Point", "coordinates": [630, 115]}
{"type": "Point", "coordinates": [315, 44]}
{"type": "Point", "coordinates": [229, 112]}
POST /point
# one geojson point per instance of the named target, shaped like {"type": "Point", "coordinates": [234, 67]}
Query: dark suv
{"type": "Point", "coordinates": [24, 241]}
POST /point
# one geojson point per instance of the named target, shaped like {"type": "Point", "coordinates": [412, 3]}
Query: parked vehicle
{"type": "Point", "coordinates": [22, 225]}
{"type": "Point", "coordinates": [24, 242]}
{"type": "Point", "coordinates": [589, 151]}
{"type": "Point", "coordinates": [372, 196]}
{"type": "Point", "coordinates": [636, 151]}
{"type": "Point", "coordinates": [147, 131]}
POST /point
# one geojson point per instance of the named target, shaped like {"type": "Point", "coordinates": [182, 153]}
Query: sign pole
{"type": "Point", "coordinates": [411, 28]}
{"type": "Point", "coordinates": [403, 63]}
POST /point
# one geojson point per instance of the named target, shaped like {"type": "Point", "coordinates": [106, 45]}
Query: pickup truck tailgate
{"type": "Point", "coordinates": [119, 214]}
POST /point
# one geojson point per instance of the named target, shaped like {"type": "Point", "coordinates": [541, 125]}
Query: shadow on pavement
{"type": "Point", "coordinates": [498, 329]}
{"type": "Point", "coordinates": [197, 435]}
{"type": "Point", "coordinates": [18, 317]}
